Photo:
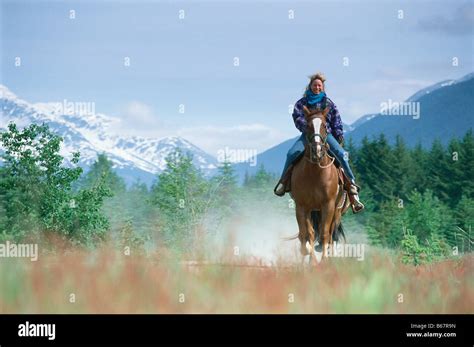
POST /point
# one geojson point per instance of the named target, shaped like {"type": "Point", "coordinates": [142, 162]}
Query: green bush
{"type": "Point", "coordinates": [36, 191]}
{"type": "Point", "coordinates": [415, 253]}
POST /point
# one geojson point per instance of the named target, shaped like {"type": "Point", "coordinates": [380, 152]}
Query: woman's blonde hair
{"type": "Point", "coordinates": [317, 76]}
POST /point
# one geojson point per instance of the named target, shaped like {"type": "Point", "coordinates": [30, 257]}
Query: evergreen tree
{"type": "Point", "coordinates": [226, 179]}
{"type": "Point", "coordinates": [403, 170]}
{"type": "Point", "coordinates": [262, 179]}
{"type": "Point", "coordinates": [419, 164]}
{"type": "Point", "coordinates": [438, 171]}
{"type": "Point", "coordinates": [182, 197]}
{"type": "Point", "coordinates": [385, 227]}
{"type": "Point", "coordinates": [466, 164]}
{"type": "Point", "coordinates": [375, 165]}
{"type": "Point", "coordinates": [246, 178]}
{"type": "Point", "coordinates": [464, 220]}
{"type": "Point", "coordinates": [454, 175]}
{"type": "Point", "coordinates": [102, 172]}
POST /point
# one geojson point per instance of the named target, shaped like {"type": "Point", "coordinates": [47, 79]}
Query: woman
{"type": "Point", "coordinates": [315, 97]}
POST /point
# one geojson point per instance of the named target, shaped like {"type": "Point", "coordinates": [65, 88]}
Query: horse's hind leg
{"type": "Point", "coordinates": [303, 233]}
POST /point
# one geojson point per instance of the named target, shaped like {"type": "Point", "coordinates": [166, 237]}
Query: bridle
{"type": "Point", "coordinates": [313, 157]}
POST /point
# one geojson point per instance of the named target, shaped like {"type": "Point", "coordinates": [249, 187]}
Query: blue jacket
{"type": "Point", "coordinates": [333, 119]}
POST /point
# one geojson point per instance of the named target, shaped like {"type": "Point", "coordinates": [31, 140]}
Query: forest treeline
{"type": "Point", "coordinates": [419, 201]}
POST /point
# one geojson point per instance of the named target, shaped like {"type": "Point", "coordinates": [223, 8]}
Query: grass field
{"type": "Point", "coordinates": [106, 281]}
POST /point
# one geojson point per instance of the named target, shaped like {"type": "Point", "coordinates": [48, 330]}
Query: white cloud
{"type": "Point", "coordinates": [137, 118]}
{"type": "Point", "coordinates": [398, 88]}
{"type": "Point", "coordinates": [213, 139]}
{"type": "Point", "coordinates": [459, 23]}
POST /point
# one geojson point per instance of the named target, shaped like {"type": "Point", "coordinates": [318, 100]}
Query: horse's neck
{"type": "Point", "coordinates": [307, 154]}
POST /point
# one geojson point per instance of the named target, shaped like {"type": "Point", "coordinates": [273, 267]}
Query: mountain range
{"type": "Point", "coordinates": [132, 157]}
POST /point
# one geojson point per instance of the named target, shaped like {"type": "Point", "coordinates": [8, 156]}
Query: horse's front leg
{"type": "Point", "coordinates": [327, 217]}
{"type": "Point", "coordinates": [312, 238]}
{"type": "Point", "coordinates": [302, 233]}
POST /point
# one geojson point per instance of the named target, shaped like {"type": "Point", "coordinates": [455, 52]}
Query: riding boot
{"type": "Point", "coordinates": [353, 191]}
{"type": "Point", "coordinates": [356, 204]}
{"type": "Point", "coordinates": [283, 184]}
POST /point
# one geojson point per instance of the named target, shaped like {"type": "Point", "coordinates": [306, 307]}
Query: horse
{"type": "Point", "coordinates": [316, 189]}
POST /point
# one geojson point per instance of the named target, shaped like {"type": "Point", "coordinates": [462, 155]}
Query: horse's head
{"type": "Point", "coordinates": [316, 130]}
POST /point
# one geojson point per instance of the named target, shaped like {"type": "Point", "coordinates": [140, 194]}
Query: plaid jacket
{"type": "Point", "coordinates": [333, 120]}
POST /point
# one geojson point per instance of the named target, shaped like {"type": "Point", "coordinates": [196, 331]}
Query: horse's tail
{"type": "Point", "coordinates": [339, 231]}
{"type": "Point", "coordinates": [290, 238]}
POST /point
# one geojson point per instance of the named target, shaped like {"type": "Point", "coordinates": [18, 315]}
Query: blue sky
{"type": "Point", "coordinates": [190, 61]}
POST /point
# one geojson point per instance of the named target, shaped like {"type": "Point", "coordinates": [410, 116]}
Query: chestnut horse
{"type": "Point", "coordinates": [315, 187]}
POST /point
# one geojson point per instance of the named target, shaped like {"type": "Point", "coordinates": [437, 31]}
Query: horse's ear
{"type": "Point", "coordinates": [326, 111]}
{"type": "Point", "coordinates": [306, 111]}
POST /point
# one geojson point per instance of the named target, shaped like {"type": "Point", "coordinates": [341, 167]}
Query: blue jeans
{"type": "Point", "coordinates": [335, 150]}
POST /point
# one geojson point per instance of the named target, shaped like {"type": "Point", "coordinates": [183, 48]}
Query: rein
{"type": "Point", "coordinates": [312, 150]}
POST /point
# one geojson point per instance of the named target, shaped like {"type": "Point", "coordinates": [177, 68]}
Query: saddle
{"type": "Point", "coordinates": [343, 180]}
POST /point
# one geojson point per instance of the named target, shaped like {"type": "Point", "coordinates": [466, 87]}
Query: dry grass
{"type": "Point", "coordinates": [106, 281]}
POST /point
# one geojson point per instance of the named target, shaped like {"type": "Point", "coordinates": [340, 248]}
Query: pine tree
{"type": "Point", "coordinates": [262, 180]}
{"type": "Point", "coordinates": [182, 196]}
{"type": "Point", "coordinates": [438, 171]}
{"type": "Point", "coordinates": [402, 169]}
{"type": "Point", "coordinates": [246, 178]}
{"type": "Point", "coordinates": [466, 161]}
{"type": "Point", "coordinates": [454, 176]}
{"type": "Point", "coordinates": [226, 179]}
{"type": "Point", "coordinates": [102, 171]}
{"type": "Point", "coordinates": [419, 165]}
{"type": "Point", "coordinates": [374, 163]}
{"type": "Point", "coordinates": [464, 219]}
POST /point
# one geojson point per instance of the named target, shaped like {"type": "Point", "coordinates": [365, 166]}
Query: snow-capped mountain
{"type": "Point", "coordinates": [439, 85]}
{"type": "Point", "coordinates": [415, 97]}
{"type": "Point", "coordinates": [445, 111]}
{"type": "Point", "coordinates": [91, 134]}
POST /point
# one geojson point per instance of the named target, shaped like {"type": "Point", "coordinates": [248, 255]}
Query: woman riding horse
{"type": "Point", "coordinates": [315, 97]}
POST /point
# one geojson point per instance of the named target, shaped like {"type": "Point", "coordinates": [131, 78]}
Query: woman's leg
{"type": "Point", "coordinates": [294, 152]}
{"type": "Point", "coordinates": [336, 150]}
